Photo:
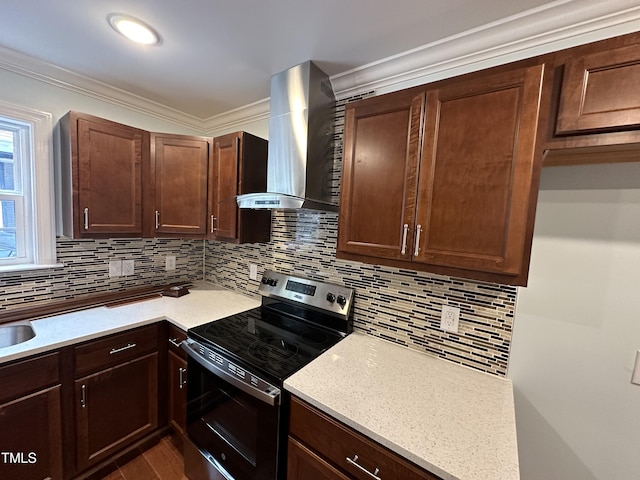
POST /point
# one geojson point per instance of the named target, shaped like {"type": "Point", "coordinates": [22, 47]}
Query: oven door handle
{"type": "Point", "coordinates": [270, 396]}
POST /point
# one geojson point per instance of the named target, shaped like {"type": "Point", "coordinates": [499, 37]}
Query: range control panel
{"type": "Point", "coordinates": [330, 297]}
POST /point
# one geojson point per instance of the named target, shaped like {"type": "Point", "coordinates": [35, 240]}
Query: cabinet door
{"type": "Point", "coordinates": [30, 439]}
{"type": "Point", "coordinates": [180, 170]}
{"type": "Point", "coordinates": [601, 92]}
{"type": "Point", "coordinates": [479, 172]}
{"type": "Point", "coordinates": [115, 407]}
{"type": "Point", "coordinates": [303, 464]}
{"type": "Point", "coordinates": [224, 183]}
{"type": "Point", "coordinates": [177, 392]}
{"type": "Point", "coordinates": [108, 178]}
{"type": "Point", "coordinates": [379, 176]}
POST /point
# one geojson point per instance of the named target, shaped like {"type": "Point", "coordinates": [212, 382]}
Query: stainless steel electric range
{"type": "Point", "coordinates": [236, 406]}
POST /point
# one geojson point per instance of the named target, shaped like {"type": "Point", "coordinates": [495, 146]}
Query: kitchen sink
{"type": "Point", "coordinates": [15, 334]}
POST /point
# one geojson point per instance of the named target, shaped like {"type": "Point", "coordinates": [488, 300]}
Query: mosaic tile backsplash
{"type": "Point", "coordinates": [398, 305]}
{"type": "Point", "coordinates": [86, 270]}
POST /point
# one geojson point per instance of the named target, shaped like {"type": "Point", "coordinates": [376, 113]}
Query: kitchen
{"type": "Point", "coordinates": [573, 453]}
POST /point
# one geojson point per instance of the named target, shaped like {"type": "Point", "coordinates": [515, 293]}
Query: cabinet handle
{"type": "Point", "coordinates": [83, 396]}
{"type": "Point", "coordinates": [86, 219]}
{"type": "Point", "coordinates": [157, 219]}
{"type": "Point", "coordinates": [404, 239]}
{"type": "Point", "coordinates": [213, 220]}
{"type": "Point", "coordinates": [175, 342]}
{"type": "Point", "coordinates": [122, 349]}
{"type": "Point", "coordinates": [354, 461]}
{"type": "Point", "coordinates": [182, 380]}
{"type": "Point", "coordinates": [417, 249]}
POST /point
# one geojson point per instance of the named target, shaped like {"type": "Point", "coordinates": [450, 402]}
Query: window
{"type": "Point", "coordinates": [27, 237]}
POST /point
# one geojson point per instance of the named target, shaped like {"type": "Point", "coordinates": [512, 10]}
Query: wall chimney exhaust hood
{"type": "Point", "coordinates": [300, 158]}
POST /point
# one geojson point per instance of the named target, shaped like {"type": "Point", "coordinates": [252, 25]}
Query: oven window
{"type": "Point", "coordinates": [233, 421]}
{"type": "Point", "coordinates": [239, 431]}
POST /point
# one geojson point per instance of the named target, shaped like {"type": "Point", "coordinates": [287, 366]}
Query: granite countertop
{"type": "Point", "coordinates": [205, 302]}
{"type": "Point", "coordinates": [451, 420]}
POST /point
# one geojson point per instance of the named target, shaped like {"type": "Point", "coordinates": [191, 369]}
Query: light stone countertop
{"type": "Point", "coordinates": [451, 420]}
{"type": "Point", "coordinates": [205, 302]}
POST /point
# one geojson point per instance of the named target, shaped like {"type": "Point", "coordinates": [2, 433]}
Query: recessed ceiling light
{"type": "Point", "coordinates": [133, 29]}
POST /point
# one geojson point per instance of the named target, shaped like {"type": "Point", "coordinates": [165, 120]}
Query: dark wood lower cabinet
{"type": "Point", "coordinates": [303, 464]}
{"type": "Point", "coordinates": [177, 400]}
{"type": "Point", "coordinates": [30, 437]}
{"type": "Point", "coordinates": [325, 449]}
{"type": "Point", "coordinates": [115, 407]}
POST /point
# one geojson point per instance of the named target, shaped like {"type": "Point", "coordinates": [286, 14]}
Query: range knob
{"type": "Point", "coordinates": [331, 297]}
{"type": "Point", "coordinates": [342, 301]}
{"type": "Point", "coordinates": [272, 282]}
{"type": "Point", "coordinates": [264, 280]}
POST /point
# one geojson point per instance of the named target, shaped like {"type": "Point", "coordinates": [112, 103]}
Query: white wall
{"type": "Point", "coordinates": [577, 328]}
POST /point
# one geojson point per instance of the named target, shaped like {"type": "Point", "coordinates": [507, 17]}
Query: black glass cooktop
{"type": "Point", "coordinates": [266, 341]}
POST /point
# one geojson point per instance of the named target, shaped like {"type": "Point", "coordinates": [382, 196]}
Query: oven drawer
{"type": "Point", "coordinates": [338, 443]}
{"type": "Point", "coordinates": [115, 349]}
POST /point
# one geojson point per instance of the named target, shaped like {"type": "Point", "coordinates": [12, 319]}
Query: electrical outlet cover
{"type": "Point", "coordinates": [115, 268]}
{"type": "Point", "coordinates": [128, 267]}
{"type": "Point", "coordinates": [253, 271]}
{"type": "Point", "coordinates": [170, 263]}
{"type": "Point", "coordinates": [635, 378]}
{"type": "Point", "coordinates": [450, 318]}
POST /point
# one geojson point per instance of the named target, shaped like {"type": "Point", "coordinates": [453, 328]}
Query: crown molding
{"type": "Point", "coordinates": [554, 26]}
{"type": "Point", "coordinates": [235, 119]}
{"type": "Point", "coordinates": [50, 74]}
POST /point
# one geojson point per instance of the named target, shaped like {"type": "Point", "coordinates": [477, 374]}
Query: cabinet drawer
{"type": "Point", "coordinates": [28, 376]}
{"type": "Point", "coordinates": [338, 443]}
{"type": "Point", "coordinates": [176, 337]}
{"type": "Point", "coordinates": [115, 349]}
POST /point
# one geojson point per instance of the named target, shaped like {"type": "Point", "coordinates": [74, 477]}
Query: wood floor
{"type": "Point", "coordinates": [163, 461]}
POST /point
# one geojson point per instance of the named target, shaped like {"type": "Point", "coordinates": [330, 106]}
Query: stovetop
{"type": "Point", "coordinates": [265, 341]}
{"type": "Point", "coordinates": [299, 319]}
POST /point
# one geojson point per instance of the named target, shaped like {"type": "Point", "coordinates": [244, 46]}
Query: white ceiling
{"type": "Point", "coordinates": [218, 55]}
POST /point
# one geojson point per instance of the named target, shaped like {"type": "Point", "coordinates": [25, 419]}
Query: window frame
{"type": "Point", "coordinates": [36, 210]}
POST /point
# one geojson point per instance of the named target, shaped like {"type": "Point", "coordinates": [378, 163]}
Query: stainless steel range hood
{"type": "Point", "coordinates": [300, 159]}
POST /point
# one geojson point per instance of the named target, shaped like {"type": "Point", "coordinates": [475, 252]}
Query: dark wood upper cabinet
{"type": "Point", "coordinates": [179, 169]}
{"type": "Point", "coordinates": [102, 177]}
{"type": "Point", "coordinates": [379, 177]}
{"type": "Point", "coordinates": [478, 173]}
{"type": "Point", "coordinates": [601, 92]}
{"type": "Point", "coordinates": [444, 178]}
{"type": "Point", "coordinates": [239, 166]}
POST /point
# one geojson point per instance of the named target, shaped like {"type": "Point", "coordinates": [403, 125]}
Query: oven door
{"type": "Point", "coordinates": [234, 425]}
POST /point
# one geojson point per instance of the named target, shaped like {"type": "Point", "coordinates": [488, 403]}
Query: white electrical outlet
{"type": "Point", "coordinates": [450, 318]}
{"type": "Point", "coordinates": [253, 271]}
{"type": "Point", "coordinates": [115, 268]}
{"type": "Point", "coordinates": [128, 267]}
{"type": "Point", "coordinates": [170, 263]}
{"type": "Point", "coordinates": [635, 378]}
